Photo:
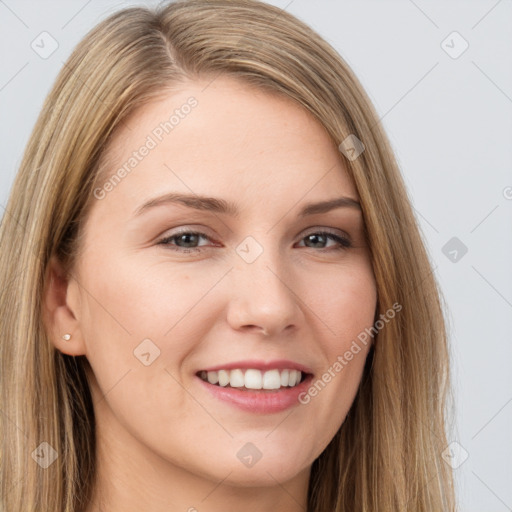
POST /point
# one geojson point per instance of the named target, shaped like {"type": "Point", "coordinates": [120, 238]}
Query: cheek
{"type": "Point", "coordinates": [351, 314]}
{"type": "Point", "coordinates": [344, 306]}
{"type": "Point", "coordinates": [130, 310]}
{"type": "Point", "coordinates": [344, 300]}
{"type": "Point", "coordinates": [131, 318]}
{"type": "Point", "coordinates": [134, 299]}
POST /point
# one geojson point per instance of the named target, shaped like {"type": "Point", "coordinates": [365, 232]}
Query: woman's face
{"type": "Point", "coordinates": [260, 289]}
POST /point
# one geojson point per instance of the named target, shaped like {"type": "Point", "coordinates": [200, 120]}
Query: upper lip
{"type": "Point", "coordinates": [279, 364]}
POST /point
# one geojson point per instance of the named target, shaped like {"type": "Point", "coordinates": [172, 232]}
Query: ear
{"type": "Point", "coordinates": [61, 310]}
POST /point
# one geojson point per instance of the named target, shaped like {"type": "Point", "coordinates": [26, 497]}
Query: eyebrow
{"type": "Point", "coordinates": [218, 205]}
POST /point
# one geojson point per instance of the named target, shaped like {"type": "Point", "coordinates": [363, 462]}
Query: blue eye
{"type": "Point", "coordinates": [191, 238]}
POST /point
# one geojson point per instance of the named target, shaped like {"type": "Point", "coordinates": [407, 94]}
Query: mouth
{"type": "Point", "coordinates": [256, 386]}
{"type": "Point", "coordinates": [253, 379]}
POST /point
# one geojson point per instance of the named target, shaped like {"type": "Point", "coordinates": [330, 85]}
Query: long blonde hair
{"type": "Point", "coordinates": [387, 453]}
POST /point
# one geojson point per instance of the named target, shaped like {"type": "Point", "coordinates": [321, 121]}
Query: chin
{"type": "Point", "coordinates": [266, 475]}
{"type": "Point", "coordinates": [265, 471]}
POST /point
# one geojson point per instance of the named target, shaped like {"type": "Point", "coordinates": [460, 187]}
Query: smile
{"type": "Point", "coordinates": [254, 379]}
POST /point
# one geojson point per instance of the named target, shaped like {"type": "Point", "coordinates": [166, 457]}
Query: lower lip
{"type": "Point", "coordinates": [259, 401]}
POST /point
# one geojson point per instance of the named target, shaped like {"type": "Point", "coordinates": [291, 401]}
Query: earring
{"type": "Point", "coordinates": [66, 337]}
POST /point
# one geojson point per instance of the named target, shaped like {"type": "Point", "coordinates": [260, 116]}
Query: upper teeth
{"type": "Point", "coordinates": [253, 379]}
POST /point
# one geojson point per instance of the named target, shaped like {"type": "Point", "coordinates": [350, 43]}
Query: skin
{"type": "Point", "coordinates": [164, 443]}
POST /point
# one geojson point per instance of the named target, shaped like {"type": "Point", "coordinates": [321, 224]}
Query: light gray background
{"type": "Point", "coordinates": [449, 121]}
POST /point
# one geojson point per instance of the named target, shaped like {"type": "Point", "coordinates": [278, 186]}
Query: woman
{"type": "Point", "coordinates": [297, 360]}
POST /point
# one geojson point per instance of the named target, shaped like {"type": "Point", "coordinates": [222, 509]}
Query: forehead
{"type": "Point", "coordinates": [224, 138]}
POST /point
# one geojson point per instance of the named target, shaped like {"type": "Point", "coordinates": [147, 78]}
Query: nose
{"type": "Point", "coordinates": [262, 298]}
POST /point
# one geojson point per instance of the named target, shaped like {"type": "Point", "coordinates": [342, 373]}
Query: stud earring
{"type": "Point", "coordinates": [66, 337]}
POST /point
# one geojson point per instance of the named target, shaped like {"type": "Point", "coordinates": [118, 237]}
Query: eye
{"type": "Point", "coordinates": [188, 238]}
{"type": "Point", "coordinates": [186, 241]}
{"type": "Point", "coordinates": [321, 237]}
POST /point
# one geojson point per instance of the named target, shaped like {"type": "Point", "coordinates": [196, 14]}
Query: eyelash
{"type": "Point", "coordinates": [344, 242]}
